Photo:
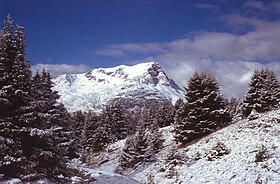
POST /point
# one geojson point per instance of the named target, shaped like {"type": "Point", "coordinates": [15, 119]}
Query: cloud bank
{"type": "Point", "coordinates": [58, 69]}
{"type": "Point", "coordinates": [232, 58]}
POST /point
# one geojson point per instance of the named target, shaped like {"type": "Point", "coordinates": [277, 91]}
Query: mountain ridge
{"type": "Point", "coordinates": [95, 88]}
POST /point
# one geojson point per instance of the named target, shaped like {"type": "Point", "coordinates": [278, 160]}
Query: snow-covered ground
{"type": "Point", "coordinates": [244, 152]}
{"type": "Point", "coordinates": [103, 173]}
{"type": "Point", "coordinates": [247, 152]}
{"type": "Point", "coordinates": [100, 177]}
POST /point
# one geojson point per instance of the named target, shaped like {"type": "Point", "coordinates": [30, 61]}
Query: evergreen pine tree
{"type": "Point", "coordinates": [115, 116]}
{"type": "Point", "coordinates": [233, 108]}
{"type": "Point", "coordinates": [7, 53]}
{"type": "Point", "coordinates": [31, 134]}
{"type": "Point", "coordinates": [79, 119]}
{"type": "Point", "coordinates": [98, 132]}
{"type": "Point", "coordinates": [180, 111]}
{"type": "Point", "coordinates": [166, 115]}
{"type": "Point", "coordinates": [13, 99]}
{"type": "Point", "coordinates": [141, 147]}
{"type": "Point", "coordinates": [273, 87]}
{"type": "Point", "coordinates": [263, 93]}
{"type": "Point", "coordinates": [89, 128]}
{"type": "Point", "coordinates": [205, 109]}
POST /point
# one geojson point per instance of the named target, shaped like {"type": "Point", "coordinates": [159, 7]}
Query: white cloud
{"type": "Point", "coordinates": [125, 48]}
{"type": "Point", "coordinates": [273, 7]}
{"type": "Point", "coordinates": [233, 76]}
{"type": "Point", "coordinates": [58, 69]}
{"type": "Point", "coordinates": [207, 6]}
{"type": "Point", "coordinates": [232, 58]}
{"type": "Point", "coordinates": [262, 43]}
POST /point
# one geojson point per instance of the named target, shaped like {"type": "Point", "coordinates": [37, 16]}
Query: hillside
{"type": "Point", "coordinates": [92, 90]}
{"type": "Point", "coordinates": [248, 152]}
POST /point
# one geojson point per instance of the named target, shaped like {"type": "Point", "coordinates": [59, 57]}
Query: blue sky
{"type": "Point", "coordinates": [227, 38]}
{"type": "Point", "coordinates": [69, 31]}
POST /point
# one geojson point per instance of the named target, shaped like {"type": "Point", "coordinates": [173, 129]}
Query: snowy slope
{"type": "Point", "coordinates": [91, 90]}
{"type": "Point", "coordinates": [195, 163]}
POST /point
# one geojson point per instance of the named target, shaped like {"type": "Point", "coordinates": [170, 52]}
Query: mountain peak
{"type": "Point", "coordinates": [93, 89]}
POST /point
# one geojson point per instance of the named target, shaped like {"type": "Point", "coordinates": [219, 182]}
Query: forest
{"type": "Point", "coordinates": [38, 136]}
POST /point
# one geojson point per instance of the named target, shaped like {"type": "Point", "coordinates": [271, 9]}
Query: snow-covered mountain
{"type": "Point", "coordinates": [92, 90]}
{"type": "Point", "coordinates": [245, 152]}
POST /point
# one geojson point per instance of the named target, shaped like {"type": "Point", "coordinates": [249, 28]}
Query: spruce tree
{"type": "Point", "coordinates": [7, 53]}
{"type": "Point", "coordinates": [263, 93]}
{"type": "Point", "coordinates": [79, 119]}
{"type": "Point", "coordinates": [88, 130]}
{"type": "Point", "coordinates": [166, 115]}
{"type": "Point", "coordinates": [205, 109]}
{"type": "Point", "coordinates": [273, 87]}
{"type": "Point", "coordinates": [32, 134]}
{"type": "Point", "coordinates": [141, 147]}
{"type": "Point", "coordinates": [13, 100]}
{"type": "Point", "coordinates": [114, 114]}
{"type": "Point", "coordinates": [101, 136]}
{"type": "Point", "coordinates": [180, 111]}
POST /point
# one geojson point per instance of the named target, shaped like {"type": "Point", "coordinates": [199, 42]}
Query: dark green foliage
{"type": "Point", "coordinates": [106, 128]}
{"type": "Point", "coordinates": [204, 111]}
{"type": "Point", "coordinates": [233, 107]}
{"type": "Point", "coordinates": [263, 93]}
{"type": "Point", "coordinates": [100, 137]}
{"type": "Point", "coordinates": [262, 154]}
{"type": "Point", "coordinates": [166, 115]}
{"type": "Point", "coordinates": [180, 115]}
{"type": "Point", "coordinates": [142, 146]}
{"type": "Point", "coordinates": [133, 152]}
{"type": "Point", "coordinates": [218, 151]}
{"type": "Point", "coordinates": [113, 115]}
{"type": "Point", "coordinates": [13, 99]}
{"type": "Point", "coordinates": [79, 119]}
{"type": "Point", "coordinates": [35, 136]}
{"type": "Point", "coordinates": [158, 116]}
{"type": "Point", "coordinates": [88, 130]}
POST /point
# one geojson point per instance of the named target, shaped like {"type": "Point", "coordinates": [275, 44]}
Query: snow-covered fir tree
{"type": "Point", "coordinates": [263, 93]}
{"type": "Point", "coordinates": [273, 88]}
{"type": "Point", "coordinates": [180, 112]}
{"type": "Point", "coordinates": [79, 119]}
{"type": "Point", "coordinates": [141, 147]}
{"type": "Point", "coordinates": [87, 130]}
{"type": "Point", "coordinates": [233, 108]}
{"type": "Point", "coordinates": [13, 100]}
{"type": "Point", "coordinates": [100, 137]}
{"type": "Point", "coordinates": [32, 135]}
{"type": "Point", "coordinates": [110, 126]}
{"type": "Point", "coordinates": [166, 115]}
{"type": "Point", "coordinates": [114, 114]}
{"type": "Point", "coordinates": [204, 110]}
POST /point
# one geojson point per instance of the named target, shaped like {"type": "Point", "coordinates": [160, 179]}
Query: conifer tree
{"type": "Point", "coordinates": [166, 115]}
{"type": "Point", "coordinates": [101, 137]}
{"type": "Point", "coordinates": [13, 99]}
{"type": "Point", "coordinates": [31, 131]}
{"type": "Point", "coordinates": [79, 119]}
{"type": "Point", "coordinates": [141, 147]}
{"type": "Point", "coordinates": [263, 93]}
{"type": "Point", "coordinates": [91, 123]}
{"type": "Point", "coordinates": [114, 114]}
{"type": "Point", "coordinates": [180, 111]}
{"type": "Point", "coordinates": [273, 87]}
{"type": "Point", "coordinates": [7, 53]}
{"type": "Point", "coordinates": [205, 109]}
